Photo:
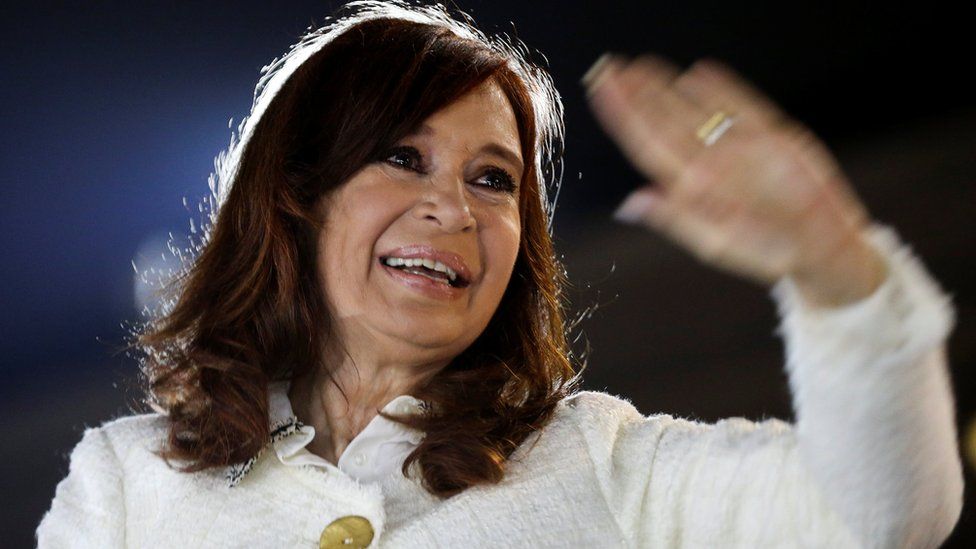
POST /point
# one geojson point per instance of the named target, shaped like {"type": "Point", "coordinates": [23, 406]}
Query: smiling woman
{"type": "Point", "coordinates": [409, 226]}
{"type": "Point", "coordinates": [370, 349]}
{"type": "Point", "coordinates": [346, 171]}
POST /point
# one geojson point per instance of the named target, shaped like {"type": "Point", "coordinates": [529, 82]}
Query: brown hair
{"type": "Point", "coordinates": [249, 310]}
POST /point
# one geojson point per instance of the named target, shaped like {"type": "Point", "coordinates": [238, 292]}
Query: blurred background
{"type": "Point", "coordinates": [111, 114]}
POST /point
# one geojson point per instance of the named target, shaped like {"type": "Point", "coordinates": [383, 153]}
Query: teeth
{"type": "Point", "coordinates": [422, 262]}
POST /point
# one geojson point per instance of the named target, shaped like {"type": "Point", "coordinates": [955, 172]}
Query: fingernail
{"type": "Point", "coordinates": [635, 208]}
{"type": "Point", "coordinates": [597, 72]}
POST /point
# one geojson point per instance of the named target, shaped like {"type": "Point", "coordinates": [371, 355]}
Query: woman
{"type": "Point", "coordinates": [370, 350]}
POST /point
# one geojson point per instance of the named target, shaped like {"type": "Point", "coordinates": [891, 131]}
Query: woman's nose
{"type": "Point", "coordinates": [446, 205]}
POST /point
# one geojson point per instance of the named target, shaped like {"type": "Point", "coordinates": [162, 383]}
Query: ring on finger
{"type": "Point", "coordinates": [709, 132]}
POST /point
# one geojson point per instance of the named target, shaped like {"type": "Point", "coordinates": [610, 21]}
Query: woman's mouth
{"type": "Point", "coordinates": [429, 282]}
{"type": "Point", "coordinates": [428, 268]}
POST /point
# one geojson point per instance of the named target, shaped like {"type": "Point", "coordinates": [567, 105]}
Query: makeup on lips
{"type": "Point", "coordinates": [440, 273]}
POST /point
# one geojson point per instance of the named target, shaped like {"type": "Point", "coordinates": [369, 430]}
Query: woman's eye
{"type": "Point", "coordinates": [408, 153]}
{"type": "Point", "coordinates": [499, 180]}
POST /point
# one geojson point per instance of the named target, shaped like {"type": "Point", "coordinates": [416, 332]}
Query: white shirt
{"type": "Point", "coordinates": [375, 452]}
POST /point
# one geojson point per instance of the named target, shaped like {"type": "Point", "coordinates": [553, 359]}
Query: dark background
{"type": "Point", "coordinates": [112, 115]}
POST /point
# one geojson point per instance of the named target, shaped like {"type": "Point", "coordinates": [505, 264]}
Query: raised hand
{"type": "Point", "coordinates": [758, 195]}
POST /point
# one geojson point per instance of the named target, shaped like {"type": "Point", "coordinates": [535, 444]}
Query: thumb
{"type": "Point", "coordinates": [646, 205]}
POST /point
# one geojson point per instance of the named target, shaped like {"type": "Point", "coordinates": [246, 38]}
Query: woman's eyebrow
{"type": "Point", "coordinates": [504, 152]}
{"type": "Point", "coordinates": [490, 148]}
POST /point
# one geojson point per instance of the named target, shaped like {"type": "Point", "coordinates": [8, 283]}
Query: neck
{"type": "Point", "coordinates": [339, 400]}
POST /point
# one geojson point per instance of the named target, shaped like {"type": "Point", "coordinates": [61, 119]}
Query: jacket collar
{"type": "Point", "coordinates": [283, 423]}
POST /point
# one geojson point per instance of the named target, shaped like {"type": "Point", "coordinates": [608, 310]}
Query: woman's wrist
{"type": "Point", "coordinates": [846, 277]}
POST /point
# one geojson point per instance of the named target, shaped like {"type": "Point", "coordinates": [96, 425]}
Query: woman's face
{"type": "Point", "coordinates": [419, 246]}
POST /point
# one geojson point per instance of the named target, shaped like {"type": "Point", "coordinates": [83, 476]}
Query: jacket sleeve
{"type": "Point", "coordinates": [874, 404]}
{"type": "Point", "coordinates": [88, 509]}
{"type": "Point", "coordinates": [872, 460]}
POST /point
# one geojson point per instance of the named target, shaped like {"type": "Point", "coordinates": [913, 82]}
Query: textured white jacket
{"type": "Point", "coordinates": [871, 462]}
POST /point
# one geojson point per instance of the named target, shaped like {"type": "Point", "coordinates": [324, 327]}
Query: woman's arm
{"type": "Point", "coordinates": [748, 190]}
{"type": "Point", "coordinates": [88, 509]}
{"type": "Point", "coordinates": [871, 462]}
{"type": "Point", "coordinates": [875, 412]}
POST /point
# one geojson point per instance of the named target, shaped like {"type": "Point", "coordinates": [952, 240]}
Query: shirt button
{"type": "Point", "coordinates": [349, 532]}
{"type": "Point", "coordinates": [360, 458]}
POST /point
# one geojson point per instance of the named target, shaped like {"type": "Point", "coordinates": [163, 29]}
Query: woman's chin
{"type": "Point", "coordinates": [430, 330]}
{"type": "Point", "coordinates": [434, 335]}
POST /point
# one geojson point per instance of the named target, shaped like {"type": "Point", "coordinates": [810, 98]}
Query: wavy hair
{"type": "Point", "coordinates": [247, 309]}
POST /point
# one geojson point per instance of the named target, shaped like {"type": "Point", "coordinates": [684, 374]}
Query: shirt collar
{"type": "Point", "coordinates": [288, 435]}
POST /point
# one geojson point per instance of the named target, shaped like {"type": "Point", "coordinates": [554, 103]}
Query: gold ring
{"type": "Point", "coordinates": [710, 131]}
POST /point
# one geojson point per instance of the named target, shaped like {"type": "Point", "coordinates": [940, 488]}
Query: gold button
{"type": "Point", "coordinates": [349, 532]}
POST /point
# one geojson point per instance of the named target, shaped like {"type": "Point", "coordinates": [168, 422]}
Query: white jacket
{"type": "Point", "coordinates": [871, 462]}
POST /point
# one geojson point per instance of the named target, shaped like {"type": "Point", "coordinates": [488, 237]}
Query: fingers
{"type": "Point", "coordinates": [708, 232]}
{"type": "Point", "coordinates": [715, 86]}
{"type": "Point", "coordinates": [766, 197]}
{"type": "Point", "coordinates": [637, 105]}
